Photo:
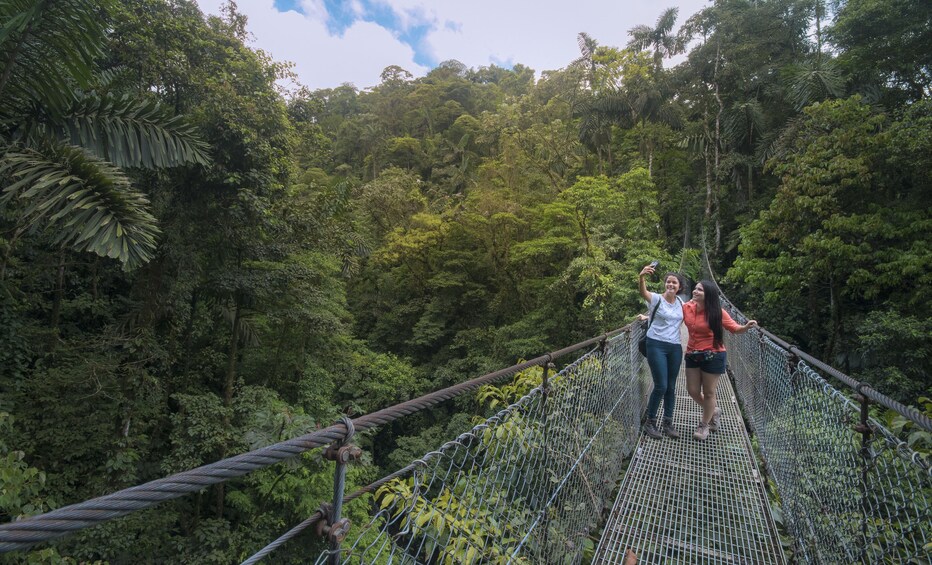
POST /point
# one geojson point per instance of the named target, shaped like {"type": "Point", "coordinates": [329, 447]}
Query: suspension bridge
{"type": "Point", "coordinates": [564, 474]}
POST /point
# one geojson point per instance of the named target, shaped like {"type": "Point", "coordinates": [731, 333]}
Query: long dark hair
{"type": "Point", "coordinates": [713, 310]}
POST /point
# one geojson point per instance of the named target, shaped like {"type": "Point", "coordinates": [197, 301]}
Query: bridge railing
{"type": "Point", "coordinates": [528, 485]}
{"type": "Point", "coordinates": [849, 489]}
{"type": "Point", "coordinates": [566, 440]}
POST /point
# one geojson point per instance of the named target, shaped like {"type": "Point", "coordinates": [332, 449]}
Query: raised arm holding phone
{"type": "Point", "coordinates": [663, 350]}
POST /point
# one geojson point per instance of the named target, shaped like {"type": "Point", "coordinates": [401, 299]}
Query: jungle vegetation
{"type": "Point", "coordinates": [195, 263]}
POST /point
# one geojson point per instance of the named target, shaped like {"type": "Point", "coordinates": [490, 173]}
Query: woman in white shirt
{"type": "Point", "coordinates": [664, 351]}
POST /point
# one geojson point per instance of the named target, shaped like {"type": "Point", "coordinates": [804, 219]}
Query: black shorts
{"type": "Point", "coordinates": [712, 362]}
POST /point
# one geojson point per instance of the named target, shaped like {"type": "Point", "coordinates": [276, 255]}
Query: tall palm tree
{"type": "Point", "coordinates": [659, 37]}
{"type": "Point", "coordinates": [62, 144]}
{"type": "Point", "coordinates": [586, 62]}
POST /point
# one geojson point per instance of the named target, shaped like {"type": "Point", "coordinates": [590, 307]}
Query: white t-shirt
{"type": "Point", "coordinates": [667, 320]}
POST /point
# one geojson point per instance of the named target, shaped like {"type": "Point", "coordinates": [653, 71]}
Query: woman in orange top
{"type": "Point", "coordinates": [705, 351]}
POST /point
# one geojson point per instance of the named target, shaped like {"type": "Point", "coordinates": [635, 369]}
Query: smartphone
{"type": "Point", "coordinates": [655, 276]}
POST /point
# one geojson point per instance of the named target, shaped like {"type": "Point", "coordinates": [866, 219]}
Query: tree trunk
{"type": "Point", "coordinates": [228, 392]}
{"type": "Point", "coordinates": [231, 359]}
{"type": "Point", "coordinates": [611, 164]}
{"type": "Point", "coordinates": [686, 232]}
{"type": "Point", "coordinates": [718, 142]}
{"type": "Point", "coordinates": [650, 161]}
{"type": "Point", "coordinates": [59, 291]}
{"type": "Point", "coordinates": [584, 231]}
{"type": "Point", "coordinates": [708, 171]}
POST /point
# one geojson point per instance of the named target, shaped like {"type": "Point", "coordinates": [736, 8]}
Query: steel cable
{"type": "Point", "coordinates": [44, 527]}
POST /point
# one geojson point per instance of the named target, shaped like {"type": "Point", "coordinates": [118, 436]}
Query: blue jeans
{"type": "Point", "coordinates": [664, 360]}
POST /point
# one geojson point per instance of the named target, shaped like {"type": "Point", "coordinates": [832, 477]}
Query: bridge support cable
{"type": "Point", "coordinates": [528, 485]}
{"type": "Point", "coordinates": [851, 490]}
{"type": "Point", "coordinates": [27, 532]}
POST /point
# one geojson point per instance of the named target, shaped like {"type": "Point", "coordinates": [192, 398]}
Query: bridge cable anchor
{"type": "Point", "coordinates": [334, 527]}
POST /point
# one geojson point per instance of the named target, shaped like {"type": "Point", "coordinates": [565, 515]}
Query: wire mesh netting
{"type": "Point", "coordinates": [843, 500]}
{"type": "Point", "coordinates": [527, 486]}
{"type": "Point", "coordinates": [686, 501]}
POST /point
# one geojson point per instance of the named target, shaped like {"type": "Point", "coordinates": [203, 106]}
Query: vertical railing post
{"type": "Point", "coordinates": [756, 403]}
{"type": "Point", "coordinates": [602, 461]}
{"type": "Point", "coordinates": [799, 521]}
{"type": "Point", "coordinates": [864, 429]}
{"type": "Point", "coordinates": [334, 526]}
{"type": "Point", "coordinates": [545, 478]}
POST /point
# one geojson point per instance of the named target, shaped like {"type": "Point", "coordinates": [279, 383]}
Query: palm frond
{"type": "Point", "coordinates": [46, 48]}
{"type": "Point", "coordinates": [741, 119]}
{"type": "Point", "coordinates": [666, 21]}
{"type": "Point", "coordinates": [813, 81]}
{"type": "Point", "coordinates": [243, 326]}
{"type": "Point", "coordinates": [776, 145]}
{"type": "Point", "coordinates": [587, 45]}
{"type": "Point", "coordinates": [82, 201]}
{"type": "Point", "coordinates": [670, 115]}
{"type": "Point", "coordinates": [640, 37]}
{"type": "Point", "coordinates": [111, 80]}
{"type": "Point", "coordinates": [131, 132]}
{"type": "Point", "coordinates": [694, 143]}
{"type": "Point", "coordinates": [689, 261]}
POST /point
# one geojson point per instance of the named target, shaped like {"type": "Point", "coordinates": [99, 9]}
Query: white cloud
{"type": "Point", "coordinates": [314, 9]}
{"type": "Point", "coordinates": [540, 35]}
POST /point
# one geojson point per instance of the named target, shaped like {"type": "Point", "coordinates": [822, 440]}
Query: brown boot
{"type": "Point", "coordinates": [650, 429]}
{"type": "Point", "coordinates": [716, 421]}
{"type": "Point", "coordinates": [669, 430]}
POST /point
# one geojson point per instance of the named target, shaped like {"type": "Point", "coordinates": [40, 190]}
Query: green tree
{"type": "Point", "coordinates": [845, 232]}
{"type": "Point", "coordinates": [886, 43]}
{"type": "Point", "coordinates": [60, 166]}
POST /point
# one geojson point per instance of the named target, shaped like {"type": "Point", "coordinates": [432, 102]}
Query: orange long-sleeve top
{"type": "Point", "coordinates": [700, 334]}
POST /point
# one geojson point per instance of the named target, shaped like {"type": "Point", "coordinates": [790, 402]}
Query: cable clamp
{"type": "Point", "coordinates": [335, 532]}
{"type": "Point", "coordinates": [323, 525]}
{"type": "Point", "coordinates": [342, 453]}
{"type": "Point", "coordinates": [338, 532]}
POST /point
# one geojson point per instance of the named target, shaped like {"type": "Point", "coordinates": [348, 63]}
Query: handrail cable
{"type": "Point", "coordinates": [60, 522]}
{"type": "Point", "coordinates": [372, 487]}
{"type": "Point", "coordinates": [857, 386]}
{"type": "Point", "coordinates": [851, 490]}
{"type": "Point", "coordinates": [477, 496]}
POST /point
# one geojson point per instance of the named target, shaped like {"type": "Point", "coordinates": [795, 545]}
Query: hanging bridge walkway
{"type": "Point", "coordinates": [564, 475]}
{"type": "Point", "coordinates": [686, 501]}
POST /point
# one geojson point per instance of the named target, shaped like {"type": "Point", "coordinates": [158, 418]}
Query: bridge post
{"type": "Point", "coordinates": [545, 478]}
{"type": "Point", "coordinates": [863, 427]}
{"type": "Point", "coordinates": [799, 520]}
{"type": "Point", "coordinates": [334, 526]}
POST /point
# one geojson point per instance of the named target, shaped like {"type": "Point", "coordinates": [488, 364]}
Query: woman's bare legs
{"type": "Point", "coordinates": [701, 387]}
{"type": "Point", "coordinates": [694, 384]}
{"type": "Point", "coordinates": [709, 386]}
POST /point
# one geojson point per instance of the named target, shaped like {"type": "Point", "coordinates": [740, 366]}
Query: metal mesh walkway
{"type": "Point", "coordinates": [687, 501]}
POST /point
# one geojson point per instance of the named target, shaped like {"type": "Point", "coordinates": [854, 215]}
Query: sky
{"type": "Point", "coordinates": [332, 42]}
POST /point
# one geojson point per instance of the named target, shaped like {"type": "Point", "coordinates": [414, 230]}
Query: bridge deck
{"type": "Point", "coordinates": [686, 501]}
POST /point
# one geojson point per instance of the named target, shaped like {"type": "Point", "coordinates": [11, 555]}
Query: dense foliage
{"type": "Point", "coordinates": [194, 263]}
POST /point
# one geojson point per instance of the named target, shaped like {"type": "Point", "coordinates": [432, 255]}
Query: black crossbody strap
{"type": "Point", "coordinates": [653, 313]}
